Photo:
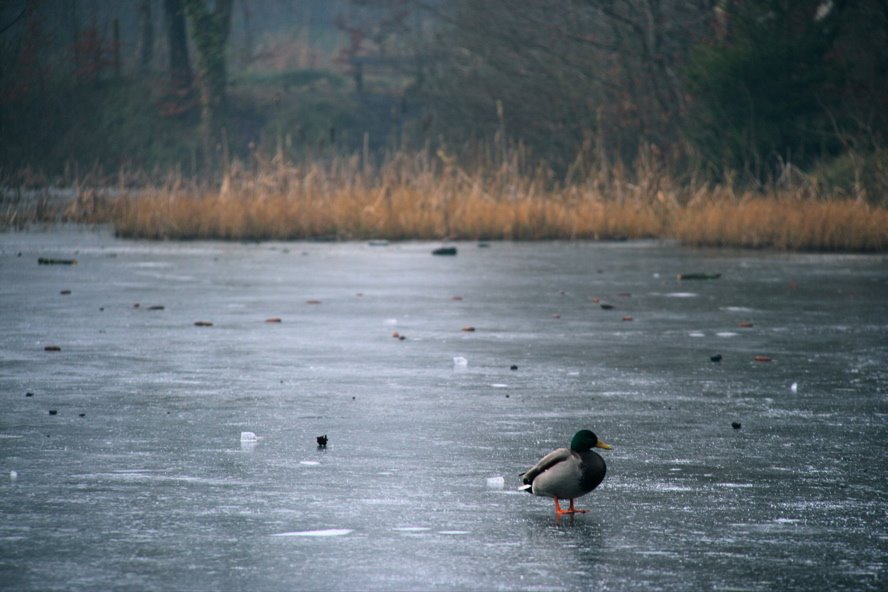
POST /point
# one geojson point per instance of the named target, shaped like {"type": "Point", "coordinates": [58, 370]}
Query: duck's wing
{"type": "Point", "coordinates": [547, 462]}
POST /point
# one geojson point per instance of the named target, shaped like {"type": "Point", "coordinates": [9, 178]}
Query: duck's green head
{"type": "Point", "coordinates": [586, 440]}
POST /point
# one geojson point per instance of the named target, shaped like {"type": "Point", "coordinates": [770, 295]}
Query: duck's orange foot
{"type": "Point", "coordinates": [570, 510]}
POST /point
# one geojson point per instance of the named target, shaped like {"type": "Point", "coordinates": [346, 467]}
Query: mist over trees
{"type": "Point", "coordinates": [746, 91]}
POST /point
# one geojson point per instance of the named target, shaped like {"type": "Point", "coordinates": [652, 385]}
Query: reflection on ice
{"type": "Point", "coordinates": [329, 532]}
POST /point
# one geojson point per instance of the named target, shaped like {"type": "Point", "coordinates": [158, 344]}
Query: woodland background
{"type": "Point", "coordinates": [746, 91]}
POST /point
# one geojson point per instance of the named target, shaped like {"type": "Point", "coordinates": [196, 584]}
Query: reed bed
{"type": "Point", "coordinates": [428, 197]}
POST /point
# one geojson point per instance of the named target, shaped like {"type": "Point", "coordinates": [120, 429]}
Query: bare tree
{"type": "Point", "coordinates": [210, 30]}
{"type": "Point", "coordinates": [567, 73]}
{"type": "Point", "coordinates": [180, 66]}
{"type": "Point", "coordinates": [146, 36]}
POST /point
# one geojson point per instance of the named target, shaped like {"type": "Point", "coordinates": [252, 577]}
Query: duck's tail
{"type": "Point", "coordinates": [528, 484]}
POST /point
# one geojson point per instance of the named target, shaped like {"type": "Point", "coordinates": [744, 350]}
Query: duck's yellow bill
{"type": "Point", "coordinates": [603, 444]}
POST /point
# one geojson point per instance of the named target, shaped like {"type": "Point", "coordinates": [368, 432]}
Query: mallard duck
{"type": "Point", "coordinates": [568, 473]}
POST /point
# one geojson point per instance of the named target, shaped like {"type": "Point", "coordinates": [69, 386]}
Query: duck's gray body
{"type": "Point", "coordinates": [566, 474]}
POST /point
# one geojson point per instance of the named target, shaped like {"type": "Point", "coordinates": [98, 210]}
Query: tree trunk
{"type": "Point", "coordinates": [247, 53]}
{"type": "Point", "coordinates": [146, 36]}
{"type": "Point", "coordinates": [210, 33]}
{"type": "Point", "coordinates": [180, 68]}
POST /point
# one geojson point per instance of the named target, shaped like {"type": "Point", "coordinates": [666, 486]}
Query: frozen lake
{"type": "Point", "coordinates": [140, 481]}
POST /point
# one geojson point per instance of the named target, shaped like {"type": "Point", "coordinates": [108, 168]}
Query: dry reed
{"type": "Point", "coordinates": [426, 196]}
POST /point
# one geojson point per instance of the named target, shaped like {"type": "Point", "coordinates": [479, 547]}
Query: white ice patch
{"type": "Point", "coordinates": [248, 437]}
{"type": "Point", "coordinates": [310, 463]}
{"type": "Point", "coordinates": [681, 295]}
{"type": "Point", "coordinates": [329, 532]}
{"type": "Point", "coordinates": [726, 334]}
{"type": "Point", "coordinates": [496, 482]}
{"type": "Point", "coordinates": [696, 334]}
{"type": "Point", "coordinates": [460, 362]}
{"type": "Point", "coordinates": [453, 532]}
{"type": "Point", "coordinates": [411, 528]}
{"type": "Point", "coordinates": [499, 385]}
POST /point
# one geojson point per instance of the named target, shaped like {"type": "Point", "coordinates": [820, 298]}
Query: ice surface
{"type": "Point", "coordinates": [150, 490]}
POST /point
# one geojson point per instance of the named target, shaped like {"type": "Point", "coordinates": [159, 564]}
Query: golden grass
{"type": "Point", "coordinates": [428, 197]}
{"type": "Point", "coordinates": [785, 222]}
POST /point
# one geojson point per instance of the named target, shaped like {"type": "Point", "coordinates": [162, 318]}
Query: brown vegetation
{"type": "Point", "coordinates": [425, 196]}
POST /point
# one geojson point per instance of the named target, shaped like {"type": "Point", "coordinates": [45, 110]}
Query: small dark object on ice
{"type": "Point", "coordinates": [698, 276]}
{"type": "Point", "coordinates": [156, 307]}
{"type": "Point", "coordinates": [203, 324]}
{"type": "Point", "coordinates": [607, 306]}
{"type": "Point", "coordinates": [322, 441]}
{"type": "Point", "coordinates": [81, 415]}
{"type": "Point", "coordinates": [513, 367]}
{"type": "Point", "coordinates": [29, 394]}
{"type": "Point", "coordinates": [716, 358]}
{"type": "Point", "coordinates": [444, 251]}
{"type": "Point", "coordinates": [736, 425]}
{"type": "Point", "coordinates": [47, 261]}
{"type": "Point", "coordinates": [65, 292]}
{"type": "Point", "coordinates": [53, 411]}
{"type": "Point", "coordinates": [52, 348]}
